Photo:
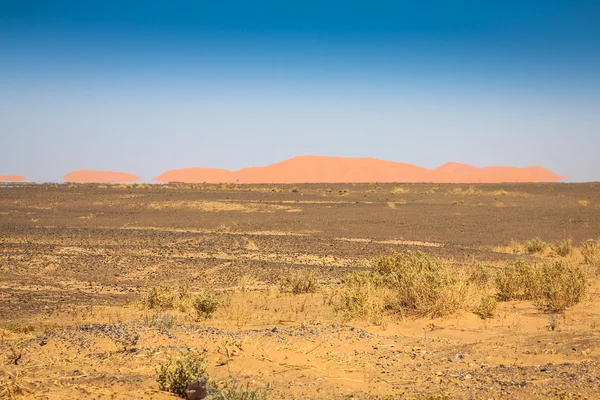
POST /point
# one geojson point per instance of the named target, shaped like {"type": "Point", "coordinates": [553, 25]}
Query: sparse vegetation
{"type": "Point", "coordinates": [518, 281]}
{"type": "Point", "coordinates": [552, 286]}
{"type": "Point", "coordinates": [563, 248]}
{"type": "Point", "coordinates": [562, 285]}
{"type": "Point", "coordinates": [201, 305]}
{"type": "Point", "coordinates": [175, 377]}
{"type": "Point", "coordinates": [234, 390]}
{"type": "Point", "coordinates": [486, 307]}
{"type": "Point", "coordinates": [168, 298]}
{"type": "Point", "coordinates": [535, 245]}
{"type": "Point", "coordinates": [413, 284]}
{"type": "Point", "coordinates": [299, 281]}
{"type": "Point", "coordinates": [590, 251]}
{"type": "Point", "coordinates": [205, 305]}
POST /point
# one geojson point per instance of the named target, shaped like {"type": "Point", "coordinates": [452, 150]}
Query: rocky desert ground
{"type": "Point", "coordinates": [313, 291]}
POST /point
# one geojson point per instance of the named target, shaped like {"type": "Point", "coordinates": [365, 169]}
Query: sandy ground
{"type": "Point", "coordinates": [76, 259]}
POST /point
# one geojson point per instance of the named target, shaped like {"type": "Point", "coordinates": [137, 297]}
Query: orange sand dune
{"type": "Point", "coordinates": [321, 169]}
{"type": "Point", "coordinates": [11, 178]}
{"type": "Point", "coordinates": [91, 176]}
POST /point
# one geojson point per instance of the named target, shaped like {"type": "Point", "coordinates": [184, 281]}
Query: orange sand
{"type": "Point", "coordinates": [11, 178]}
{"type": "Point", "coordinates": [321, 169]}
{"type": "Point", "coordinates": [91, 176]}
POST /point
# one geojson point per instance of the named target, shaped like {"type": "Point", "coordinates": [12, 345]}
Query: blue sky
{"type": "Point", "coordinates": [148, 86]}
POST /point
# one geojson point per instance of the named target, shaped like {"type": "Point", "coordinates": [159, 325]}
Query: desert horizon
{"type": "Point", "coordinates": [324, 169]}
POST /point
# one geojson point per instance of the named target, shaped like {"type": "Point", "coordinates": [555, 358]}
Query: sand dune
{"type": "Point", "coordinates": [11, 178]}
{"type": "Point", "coordinates": [92, 176]}
{"type": "Point", "coordinates": [321, 169]}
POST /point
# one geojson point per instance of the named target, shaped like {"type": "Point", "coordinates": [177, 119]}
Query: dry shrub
{"type": "Point", "coordinates": [414, 284]}
{"type": "Point", "coordinates": [518, 281]}
{"type": "Point", "coordinates": [362, 298]}
{"type": "Point", "coordinates": [535, 245]}
{"type": "Point", "coordinates": [563, 248]}
{"type": "Point", "coordinates": [552, 286]}
{"type": "Point", "coordinates": [590, 251]}
{"type": "Point", "coordinates": [175, 378]}
{"type": "Point", "coordinates": [160, 320]}
{"type": "Point", "coordinates": [486, 307]}
{"type": "Point", "coordinates": [168, 298]}
{"type": "Point", "coordinates": [205, 305]}
{"type": "Point", "coordinates": [299, 281]}
{"type": "Point", "coordinates": [201, 305]}
{"type": "Point", "coordinates": [562, 286]}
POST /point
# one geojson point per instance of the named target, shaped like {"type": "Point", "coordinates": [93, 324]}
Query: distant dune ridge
{"type": "Point", "coordinates": [11, 178]}
{"type": "Point", "coordinates": [92, 176]}
{"type": "Point", "coordinates": [322, 169]}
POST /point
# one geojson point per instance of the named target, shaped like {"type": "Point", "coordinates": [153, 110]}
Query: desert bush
{"type": "Point", "coordinates": [200, 306]}
{"type": "Point", "coordinates": [562, 285]}
{"type": "Point", "coordinates": [591, 253]}
{"type": "Point", "coordinates": [413, 284]}
{"type": "Point", "coordinates": [299, 281]}
{"type": "Point", "coordinates": [563, 248]}
{"type": "Point", "coordinates": [205, 304]}
{"type": "Point", "coordinates": [535, 245]}
{"type": "Point", "coordinates": [553, 286]}
{"type": "Point", "coordinates": [520, 280]}
{"type": "Point", "coordinates": [174, 378]}
{"type": "Point", "coordinates": [363, 298]}
{"type": "Point", "coordinates": [486, 307]}
{"type": "Point", "coordinates": [168, 297]}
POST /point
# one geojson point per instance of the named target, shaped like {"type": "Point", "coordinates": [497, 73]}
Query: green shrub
{"type": "Point", "coordinates": [205, 305]}
{"type": "Point", "coordinates": [299, 281]}
{"type": "Point", "coordinates": [563, 248]}
{"type": "Point", "coordinates": [175, 378]}
{"type": "Point", "coordinates": [535, 245]}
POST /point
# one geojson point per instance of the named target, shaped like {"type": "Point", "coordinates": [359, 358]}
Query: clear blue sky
{"type": "Point", "coordinates": [146, 86]}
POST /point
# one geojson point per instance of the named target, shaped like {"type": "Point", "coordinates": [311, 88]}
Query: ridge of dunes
{"type": "Point", "coordinates": [95, 176]}
{"type": "Point", "coordinates": [323, 169]}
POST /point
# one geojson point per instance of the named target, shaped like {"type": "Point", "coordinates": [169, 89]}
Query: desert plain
{"type": "Point", "coordinates": [83, 268]}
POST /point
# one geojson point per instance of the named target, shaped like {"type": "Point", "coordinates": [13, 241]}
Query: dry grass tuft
{"type": "Point", "coordinates": [563, 248]}
{"type": "Point", "coordinates": [535, 245]}
{"type": "Point", "coordinates": [299, 281]}
{"type": "Point", "coordinates": [590, 251]}
{"type": "Point", "coordinates": [201, 305]}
